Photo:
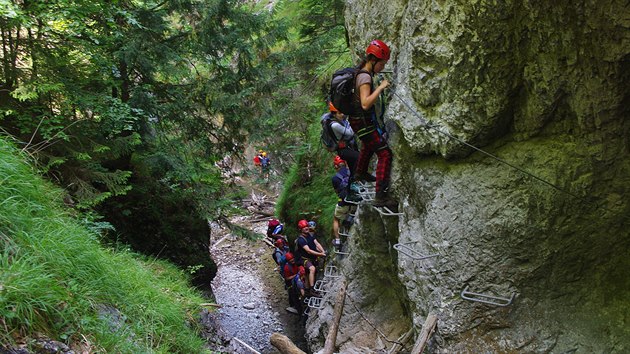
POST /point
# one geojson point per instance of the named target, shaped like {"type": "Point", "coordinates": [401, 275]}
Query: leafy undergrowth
{"type": "Point", "coordinates": [308, 192]}
{"type": "Point", "coordinates": [56, 279]}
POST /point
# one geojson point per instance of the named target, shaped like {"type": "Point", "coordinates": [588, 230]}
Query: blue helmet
{"type": "Point", "coordinates": [312, 224]}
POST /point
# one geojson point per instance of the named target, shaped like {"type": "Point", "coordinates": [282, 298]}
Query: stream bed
{"type": "Point", "coordinates": [251, 294]}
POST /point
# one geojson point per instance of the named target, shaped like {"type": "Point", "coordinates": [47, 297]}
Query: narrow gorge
{"type": "Point", "coordinates": [509, 125]}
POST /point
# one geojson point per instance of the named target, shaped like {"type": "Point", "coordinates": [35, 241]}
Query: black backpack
{"type": "Point", "coordinates": [327, 137]}
{"type": "Point", "coordinates": [342, 91]}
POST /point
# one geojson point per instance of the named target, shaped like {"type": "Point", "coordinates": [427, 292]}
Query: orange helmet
{"type": "Point", "coordinates": [338, 160]}
{"type": "Point", "coordinates": [332, 108]}
{"type": "Point", "coordinates": [302, 224]}
{"type": "Point", "coordinates": [379, 49]}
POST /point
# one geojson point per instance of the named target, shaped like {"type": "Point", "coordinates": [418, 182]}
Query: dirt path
{"type": "Point", "coordinates": [251, 292]}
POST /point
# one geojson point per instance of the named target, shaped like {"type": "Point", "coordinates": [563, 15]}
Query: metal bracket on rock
{"type": "Point", "coordinates": [486, 299]}
{"type": "Point", "coordinates": [410, 252]}
{"type": "Point", "coordinates": [321, 286]}
{"type": "Point", "coordinates": [385, 211]}
{"type": "Point", "coordinates": [331, 272]}
{"type": "Point", "coordinates": [315, 303]}
{"type": "Point", "coordinates": [349, 201]}
{"type": "Point", "coordinates": [344, 232]}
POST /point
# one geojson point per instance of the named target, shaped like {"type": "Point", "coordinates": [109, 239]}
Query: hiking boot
{"type": "Point", "coordinates": [383, 199]}
{"type": "Point", "coordinates": [292, 309]}
{"type": "Point", "coordinates": [364, 177]}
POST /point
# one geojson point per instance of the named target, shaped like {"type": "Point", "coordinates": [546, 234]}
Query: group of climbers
{"type": "Point", "coordinates": [297, 267]}
{"type": "Point", "coordinates": [263, 163]}
{"type": "Point", "coordinates": [352, 165]}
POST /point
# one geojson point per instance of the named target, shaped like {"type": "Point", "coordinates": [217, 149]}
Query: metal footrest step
{"type": "Point", "coordinates": [315, 303]}
{"type": "Point", "coordinates": [405, 249]}
{"type": "Point", "coordinates": [321, 286]}
{"type": "Point", "coordinates": [385, 211]}
{"type": "Point", "coordinates": [332, 272]}
{"type": "Point", "coordinates": [486, 299]}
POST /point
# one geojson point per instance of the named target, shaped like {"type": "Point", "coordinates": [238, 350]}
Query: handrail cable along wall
{"type": "Point", "coordinates": [427, 125]}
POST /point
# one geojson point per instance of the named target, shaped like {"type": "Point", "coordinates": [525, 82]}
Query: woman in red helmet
{"type": "Point", "coordinates": [376, 56]}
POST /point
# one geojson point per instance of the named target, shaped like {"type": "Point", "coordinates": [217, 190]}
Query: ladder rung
{"type": "Point", "coordinates": [385, 211]}
{"type": "Point", "coordinates": [315, 303]}
{"type": "Point", "coordinates": [486, 299]}
{"type": "Point", "coordinates": [410, 252]}
{"type": "Point", "coordinates": [331, 272]}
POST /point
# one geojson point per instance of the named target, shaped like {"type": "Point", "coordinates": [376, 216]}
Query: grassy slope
{"type": "Point", "coordinates": [55, 276]}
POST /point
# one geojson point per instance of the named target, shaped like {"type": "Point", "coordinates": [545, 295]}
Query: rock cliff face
{"type": "Point", "coordinates": [543, 86]}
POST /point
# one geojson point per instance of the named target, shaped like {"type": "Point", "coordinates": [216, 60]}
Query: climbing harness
{"type": "Point", "coordinates": [486, 299]}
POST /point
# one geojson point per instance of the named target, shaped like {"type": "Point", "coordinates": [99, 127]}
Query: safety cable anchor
{"type": "Point", "coordinates": [410, 252]}
{"type": "Point", "coordinates": [486, 299]}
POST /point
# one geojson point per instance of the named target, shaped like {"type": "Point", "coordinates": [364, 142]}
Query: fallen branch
{"type": "Point", "coordinates": [331, 338]}
{"type": "Point", "coordinates": [211, 305]}
{"type": "Point", "coordinates": [284, 344]}
{"type": "Point", "coordinates": [397, 347]}
{"type": "Point", "coordinates": [246, 346]}
{"type": "Point", "coordinates": [262, 213]}
{"type": "Point", "coordinates": [427, 330]}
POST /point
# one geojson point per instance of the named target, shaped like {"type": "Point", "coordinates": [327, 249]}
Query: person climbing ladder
{"type": "Point", "coordinates": [366, 127]}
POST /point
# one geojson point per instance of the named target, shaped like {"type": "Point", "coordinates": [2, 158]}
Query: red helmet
{"type": "Point", "coordinates": [279, 243]}
{"type": "Point", "coordinates": [302, 224]}
{"type": "Point", "coordinates": [273, 223]}
{"type": "Point", "coordinates": [288, 256]}
{"type": "Point", "coordinates": [338, 160]}
{"type": "Point", "coordinates": [379, 49]}
{"type": "Point", "coordinates": [332, 107]}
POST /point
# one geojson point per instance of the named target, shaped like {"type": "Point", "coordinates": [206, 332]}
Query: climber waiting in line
{"type": "Point", "coordinates": [307, 249]}
{"type": "Point", "coordinates": [340, 182]}
{"type": "Point", "coordinates": [290, 270]}
{"type": "Point", "coordinates": [347, 145]}
{"type": "Point", "coordinates": [367, 128]}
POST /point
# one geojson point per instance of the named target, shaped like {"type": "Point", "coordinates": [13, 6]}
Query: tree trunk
{"type": "Point", "coordinates": [427, 330]}
{"type": "Point", "coordinates": [284, 344]}
{"type": "Point", "coordinates": [331, 338]}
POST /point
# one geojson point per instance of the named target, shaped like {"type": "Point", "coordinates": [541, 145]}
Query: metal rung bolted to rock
{"type": "Point", "coordinates": [385, 211]}
{"type": "Point", "coordinates": [486, 299]}
{"type": "Point", "coordinates": [321, 286]}
{"type": "Point", "coordinates": [331, 272]}
{"type": "Point", "coordinates": [315, 303]}
{"type": "Point", "coordinates": [405, 249]}
{"type": "Point", "coordinates": [353, 202]}
{"type": "Point", "coordinates": [344, 232]}
{"type": "Point", "coordinates": [367, 197]}
{"type": "Point", "coordinates": [339, 253]}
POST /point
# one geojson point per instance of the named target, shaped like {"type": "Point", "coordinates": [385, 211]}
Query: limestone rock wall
{"type": "Point", "coordinates": [543, 86]}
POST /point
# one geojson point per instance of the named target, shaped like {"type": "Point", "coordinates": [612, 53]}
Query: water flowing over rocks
{"type": "Point", "coordinates": [544, 87]}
